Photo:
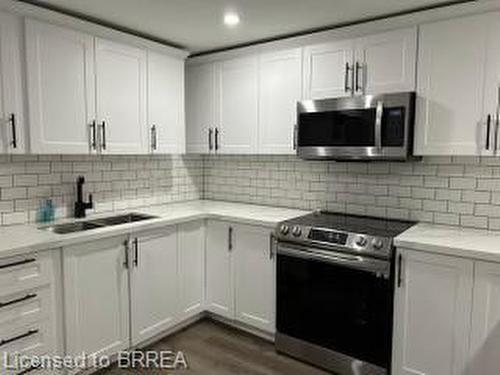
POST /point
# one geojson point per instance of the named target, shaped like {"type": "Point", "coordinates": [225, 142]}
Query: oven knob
{"type": "Point", "coordinates": [296, 231]}
{"type": "Point", "coordinates": [377, 243]}
{"type": "Point", "coordinates": [361, 241]}
{"type": "Point", "coordinates": [284, 229]}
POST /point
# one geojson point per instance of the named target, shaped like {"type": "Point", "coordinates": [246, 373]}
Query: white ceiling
{"type": "Point", "coordinates": [197, 24]}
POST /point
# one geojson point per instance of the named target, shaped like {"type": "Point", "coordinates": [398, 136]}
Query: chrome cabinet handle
{"type": "Point", "coordinates": [210, 145]}
{"type": "Point", "coordinates": [103, 130]}
{"type": "Point", "coordinates": [126, 245]}
{"type": "Point", "coordinates": [93, 136]}
{"type": "Point", "coordinates": [19, 263]}
{"type": "Point", "coordinates": [230, 239]}
{"type": "Point", "coordinates": [216, 139]}
{"type": "Point", "coordinates": [378, 124]}
{"type": "Point", "coordinates": [358, 87]}
{"type": "Point", "coordinates": [346, 78]}
{"type": "Point", "coordinates": [17, 300]}
{"type": "Point", "coordinates": [154, 138]}
{"type": "Point", "coordinates": [488, 130]}
{"type": "Point", "coordinates": [31, 332]}
{"type": "Point", "coordinates": [400, 273]}
{"type": "Point", "coordinates": [272, 241]}
{"type": "Point", "coordinates": [136, 252]}
{"type": "Point", "coordinates": [12, 120]}
{"type": "Point", "coordinates": [295, 134]}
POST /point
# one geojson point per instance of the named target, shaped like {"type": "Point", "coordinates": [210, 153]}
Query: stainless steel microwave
{"type": "Point", "coordinates": [370, 127]}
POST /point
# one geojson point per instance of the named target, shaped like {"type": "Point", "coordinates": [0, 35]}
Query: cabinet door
{"type": "Point", "coordinates": [236, 107]}
{"type": "Point", "coordinates": [432, 314]}
{"type": "Point", "coordinates": [121, 98]}
{"type": "Point", "coordinates": [219, 269]}
{"type": "Point", "coordinates": [12, 130]}
{"type": "Point", "coordinates": [153, 283]}
{"type": "Point", "coordinates": [166, 133]}
{"type": "Point", "coordinates": [200, 106]}
{"type": "Point", "coordinates": [485, 337]}
{"type": "Point", "coordinates": [254, 277]}
{"type": "Point", "coordinates": [280, 88]}
{"type": "Point", "coordinates": [61, 94]}
{"type": "Point", "coordinates": [328, 70]}
{"type": "Point", "coordinates": [386, 62]}
{"type": "Point", "coordinates": [191, 257]}
{"type": "Point", "coordinates": [451, 72]}
{"type": "Point", "coordinates": [96, 297]}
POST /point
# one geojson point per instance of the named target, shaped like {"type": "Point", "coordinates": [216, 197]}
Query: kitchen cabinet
{"type": "Point", "coordinates": [200, 108]}
{"type": "Point", "coordinates": [166, 124]}
{"type": "Point", "coordinates": [254, 277]}
{"type": "Point", "coordinates": [236, 106]}
{"type": "Point", "coordinates": [153, 283]}
{"type": "Point", "coordinates": [280, 88]}
{"type": "Point", "coordinates": [450, 117]}
{"type": "Point", "coordinates": [376, 64]}
{"type": "Point", "coordinates": [485, 338]}
{"type": "Point", "coordinates": [219, 268]}
{"type": "Point", "coordinates": [433, 305]}
{"type": "Point", "coordinates": [61, 90]}
{"type": "Point", "coordinates": [12, 131]}
{"type": "Point", "coordinates": [96, 297]}
{"type": "Point", "coordinates": [121, 97]}
{"type": "Point", "coordinates": [191, 271]}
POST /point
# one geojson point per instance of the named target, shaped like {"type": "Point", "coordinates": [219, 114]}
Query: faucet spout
{"type": "Point", "coordinates": [80, 205]}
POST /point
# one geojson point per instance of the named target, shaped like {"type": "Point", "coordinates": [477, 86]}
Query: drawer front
{"type": "Point", "coordinates": [25, 307]}
{"type": "Point", "coordinates": [35, 339]}
{"type": "Point", "coordinates": [24, 272]}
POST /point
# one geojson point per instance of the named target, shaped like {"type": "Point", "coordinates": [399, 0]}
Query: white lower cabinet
{"type": "Point", "coordinates": [432, 314]}
{"type": "Point", "coordinates": [240, 274]}
{"type": "Point", "coordinates": [153, 283]}
{"type": "Point", "coordinates": [254, 277]}
{"type": "Point", "coordinates": [191, 266]}
{"type": "Point", "coordinates": [219, 269]}
{"type": "Point", "coordinates": [96, 297]}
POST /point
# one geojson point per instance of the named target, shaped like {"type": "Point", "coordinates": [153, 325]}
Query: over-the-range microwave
{"type": "Point", "coordinates": [370, 127]}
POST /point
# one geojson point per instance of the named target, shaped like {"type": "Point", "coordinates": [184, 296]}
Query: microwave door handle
{"type": "Point", "coordinates": [378, 125]}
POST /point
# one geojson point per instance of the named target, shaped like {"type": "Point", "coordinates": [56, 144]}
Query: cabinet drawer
{"type": "Point", "coordinates": [30, 340]}
{"type": "Point", "coordinates": [26, 307]}
{"type": "Point", "coordinates": [24, 272]}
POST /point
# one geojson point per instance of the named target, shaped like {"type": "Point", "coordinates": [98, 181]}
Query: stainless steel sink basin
{"type": "Point", "coordinates": [72, 227]}
{"type": "Point", "coordinates": [81, 226]}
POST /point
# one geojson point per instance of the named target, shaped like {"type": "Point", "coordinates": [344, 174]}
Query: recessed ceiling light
{"type": "Point", "coordinates": [231, 19]}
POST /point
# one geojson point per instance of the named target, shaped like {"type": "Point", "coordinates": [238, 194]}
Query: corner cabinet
{"type": "Point", "coordinates": [12, 130]}
{"type": "Point", "coordinates": [458, 96]}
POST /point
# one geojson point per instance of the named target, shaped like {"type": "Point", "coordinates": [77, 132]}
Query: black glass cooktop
{"type": "Point", "coordinates": [353, 223]}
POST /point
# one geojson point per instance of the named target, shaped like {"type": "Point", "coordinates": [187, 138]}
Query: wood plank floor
{"type": "Point", "coordinates": [211, 348]}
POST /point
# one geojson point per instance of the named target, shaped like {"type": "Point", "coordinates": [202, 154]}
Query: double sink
{"type": "Point", "coordinates": [80, 226]}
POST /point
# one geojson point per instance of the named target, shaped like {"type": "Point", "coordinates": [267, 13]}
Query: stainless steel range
{"type": "Point", "coordinates": [335, 286]}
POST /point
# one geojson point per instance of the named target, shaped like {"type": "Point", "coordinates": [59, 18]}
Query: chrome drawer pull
{"type": "Point", "coordinates": [17, 300]}
{"type": "Point", "coordinates": [18, 263]}
{"type": "Point", "coordinates": [31, 332]}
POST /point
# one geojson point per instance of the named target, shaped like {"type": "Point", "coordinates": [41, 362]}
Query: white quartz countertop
{"type": "Point", "coordinates": [15, 240]}
{"type": "Point", "coordinates": [461, 242]}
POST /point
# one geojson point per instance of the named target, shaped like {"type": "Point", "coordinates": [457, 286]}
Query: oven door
{"type": "Point", "coordinates": [366, 127]}
{"type": "Point", "coordinates": [338, 302]}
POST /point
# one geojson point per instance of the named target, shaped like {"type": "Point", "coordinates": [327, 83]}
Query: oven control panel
{"type": "Point", "coordinates": [328, 236]}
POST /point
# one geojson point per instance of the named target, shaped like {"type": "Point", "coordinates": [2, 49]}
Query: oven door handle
{"type": "Point", "coordinates": [360, 263]}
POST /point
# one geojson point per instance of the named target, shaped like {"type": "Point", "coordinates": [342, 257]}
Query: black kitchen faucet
{"type": "Point", "coordinates": [80, 205]}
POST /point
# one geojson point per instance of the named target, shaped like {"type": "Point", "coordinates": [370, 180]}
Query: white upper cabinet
{"type": "Point", "coordinates": [61, 94]}
{"type": "Point", "coordinates": [96, 297]}
{"type": "Point", "coordinates": [236, 106]}
{"type": "Point", "coordinates": [485, 334]}
{"type": "Point", "coordinates": [328, 70]}
{"type": "Point", "coordinates": [219, 269]}
{"type": "Point", "coordinates": [280, 88]}
{"type": "Point", "coordinates": [432, 315]}
{"type": "Point", "coordinates": [166, 125]}
{"type": "Point", "coordinates": [121, 98]}
{"type": "Point", "coordinates": [200, 108]}
{"type": "Point", "coordinates": [12, 130]}
{"type": "Point", "coordinates": [386, 63]}
{"type": "Point", "coordinates": [153, 283]}
{"type": "Point", "coordinates": [376, 64]}
{"type": "Point", "coordinates": [254, 277]}
{"type": "Point", "coordinates": [451, 78]}
{"type": "Point", "coordinates": [191, 283]}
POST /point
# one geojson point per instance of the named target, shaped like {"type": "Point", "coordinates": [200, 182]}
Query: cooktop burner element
{"type": "Point", "coordinates": [342, 232]}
